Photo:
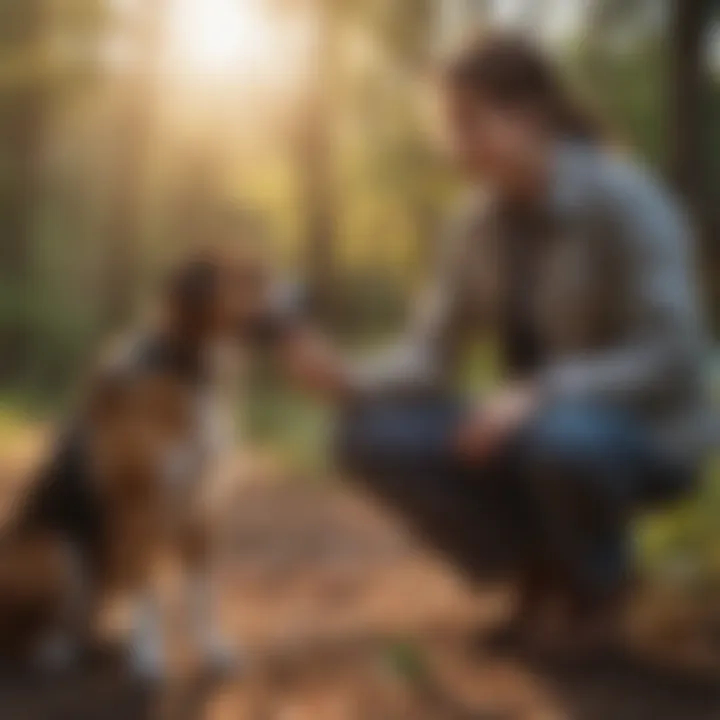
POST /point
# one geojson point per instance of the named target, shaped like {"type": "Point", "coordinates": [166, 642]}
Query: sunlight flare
{"type": "Point", "coordinates": [222, 37]}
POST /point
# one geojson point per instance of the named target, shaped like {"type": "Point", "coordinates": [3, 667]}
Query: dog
{"type": "Point", "coordinates": [129, 484]}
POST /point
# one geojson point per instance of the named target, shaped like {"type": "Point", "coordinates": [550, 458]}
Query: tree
{"type": "Point", "coordinates": [690, 138]}
{"type": "Point", "coordinates": [134, 131]}
{"type": "Point", "coordinates": [315, 161]}
{"type": "Point", "coordinates": [22, 117]}
{"type": "Point", "coordinates": [689, 99]}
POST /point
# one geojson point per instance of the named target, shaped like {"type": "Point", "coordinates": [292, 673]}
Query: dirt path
{"type": "Point", "coordinates": [344, 618]}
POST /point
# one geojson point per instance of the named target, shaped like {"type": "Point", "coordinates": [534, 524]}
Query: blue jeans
{"type": "Point", "coordinates": [559, 493]}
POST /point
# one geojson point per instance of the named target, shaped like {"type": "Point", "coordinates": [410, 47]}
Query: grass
{"type": "Point", "coordinates": [295, 429]}
{"type": "Point", "coordinates": [683, 542]}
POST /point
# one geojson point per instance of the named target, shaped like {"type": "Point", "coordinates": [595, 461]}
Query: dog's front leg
{"type": "Point", "coordinates": [152, 619]}
{"type": "Point", "coordinates": [148, 652]}
{"type": "Point", "coordinates": [201, 596]}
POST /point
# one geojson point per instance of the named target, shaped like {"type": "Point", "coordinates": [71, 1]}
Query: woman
{"type": "Point", "coordinates": [579, 262]}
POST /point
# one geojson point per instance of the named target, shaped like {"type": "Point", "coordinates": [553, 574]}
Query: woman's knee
{"type": "Point", "coordinates": [584, 447]}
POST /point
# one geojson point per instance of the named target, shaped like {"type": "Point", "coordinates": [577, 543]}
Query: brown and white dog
{"type": "Point", "coordinates": [128, 484]}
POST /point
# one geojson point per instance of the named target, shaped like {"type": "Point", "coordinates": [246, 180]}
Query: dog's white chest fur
{"type": "Point", "coordinates": [213, 430]}
{"type": "Point", "coordinates": [186, 463]}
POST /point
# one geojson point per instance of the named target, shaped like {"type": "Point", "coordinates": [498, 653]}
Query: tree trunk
{"type": "Point", "coordinates": [133, 133]}
{"type": "Point", "coordinates": [688, 98]}
{"type": "Point", "coordinates": [316, 168]}
{"type": "Point", "coordinates": [690, 130]}
{"type": "Point", "coordinates": [22, 116]}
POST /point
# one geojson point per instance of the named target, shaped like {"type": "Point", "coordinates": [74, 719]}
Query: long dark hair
{"type": "Point", "coordinates": [512, 72]}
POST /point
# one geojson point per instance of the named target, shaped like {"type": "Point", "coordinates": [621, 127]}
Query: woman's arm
{"type": "Point", "coordinates": [662, 349]}
{"type": "Point", "coordinates": [313, 363]}
{"type": "Point", "coordinates": [423, 359]}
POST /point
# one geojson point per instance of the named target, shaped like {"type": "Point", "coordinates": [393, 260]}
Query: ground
{"type": "Point", "coordinates": [343, 616]}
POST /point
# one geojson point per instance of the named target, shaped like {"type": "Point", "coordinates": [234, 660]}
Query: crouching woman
{"type": "Point", "coordinates": [580, 262]}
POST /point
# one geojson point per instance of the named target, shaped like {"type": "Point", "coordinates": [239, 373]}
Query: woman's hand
{"type": "Point", "coordinates": [495, 421]}
{"type": "Point", "coordinates": [314, 364]}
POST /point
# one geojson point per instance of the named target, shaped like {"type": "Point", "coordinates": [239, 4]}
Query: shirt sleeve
{"type": "Point", "coordinates": [662, 350]}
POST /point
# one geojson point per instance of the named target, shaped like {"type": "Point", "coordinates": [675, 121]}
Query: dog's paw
{"type": "Point", "coordinates": [147, 661]}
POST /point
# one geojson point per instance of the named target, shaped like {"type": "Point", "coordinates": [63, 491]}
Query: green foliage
{"type": "Point", "coordinates": [289, 425]}
{"type": "Point", "coordinates": [684, 543]}
{"type": "Point", "coordinates": [627, 87]}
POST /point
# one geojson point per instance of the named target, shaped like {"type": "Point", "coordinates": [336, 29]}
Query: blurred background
{"type": "Point", "coordinates": [133, 129]}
